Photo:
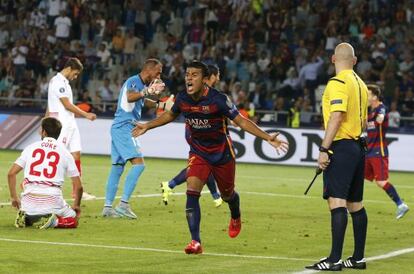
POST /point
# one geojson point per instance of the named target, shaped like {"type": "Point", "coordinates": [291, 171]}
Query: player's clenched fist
{"type": "Point", "coordinates": [90, 116]}
{"type": "Point", "coordinates": [139, 129]}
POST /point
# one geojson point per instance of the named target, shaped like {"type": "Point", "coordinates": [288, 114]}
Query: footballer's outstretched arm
{"type": "Point", "coordinates": [252, 128]}
{"type": "Point", "coordinates": [165, 118]}
{"type": "Point", "coordinates": [74, 109]}
{"type": "Point", "coordinates": [11, 178]}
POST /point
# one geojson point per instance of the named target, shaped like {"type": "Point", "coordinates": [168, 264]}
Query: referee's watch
{"type": "Point", "coordinates": [323, 149]}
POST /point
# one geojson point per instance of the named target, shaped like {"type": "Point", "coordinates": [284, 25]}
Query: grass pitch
{"type": "Point", "coordinates": [282, 229]}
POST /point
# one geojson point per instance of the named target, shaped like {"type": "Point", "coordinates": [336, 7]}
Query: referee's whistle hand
{"type": "Point", "coordinates": [323, 160]}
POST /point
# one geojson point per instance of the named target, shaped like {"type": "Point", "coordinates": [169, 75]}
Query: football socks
{"type": "Point", "coordinates": [360, 223]}
{"type": "Point", "coordinates": [131, 181]}
{"type": "Point", "coordinates": [339, 220]}
{"type": "Point", "coordinates": [112, 184]}
{"type": "Point", "coordinates": [193, 214]}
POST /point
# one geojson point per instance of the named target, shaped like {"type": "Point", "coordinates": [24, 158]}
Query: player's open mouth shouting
{"type": "Point", "coordinates": [190, 88]}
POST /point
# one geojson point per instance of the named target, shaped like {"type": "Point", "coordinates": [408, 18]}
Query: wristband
{"type": "Point", "coordinates": [323, 149]}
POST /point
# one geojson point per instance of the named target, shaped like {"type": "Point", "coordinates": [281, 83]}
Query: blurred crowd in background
{"type": "Point", "coordinates": [273, 55]}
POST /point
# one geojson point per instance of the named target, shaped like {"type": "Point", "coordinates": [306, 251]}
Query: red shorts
{"type": "Point", "coordinates": [376, 168]}
{"type": "Point", "coordinates": [224, 174]}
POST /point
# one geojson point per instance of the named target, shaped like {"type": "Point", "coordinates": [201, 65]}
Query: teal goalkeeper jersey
{"type": "Point", "coordinates": [128, 112]}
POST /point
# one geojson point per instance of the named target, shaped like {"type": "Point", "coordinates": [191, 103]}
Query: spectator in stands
{"type": "Point", "coordinates": [131, 46]}
{"type": "Point", "coordinates": [394, 116]}
{"type": "Point", "coordinates": [408, 103]}
{"type": "Point", "coordinates": [308, 74]}
{"type": "Point", "coordinates": [118, 45]}
{"type": "Point", "coordinates": [407, 64]}
{"type": "Point", "coordinates": [258, 97]}
{"type": "Point", "coordinates": [5, 83]}
{"type": "Point", "coordinates": [63, 26]}
{"type": "Point", "coordinates": [53, 10]}
{"type": "Point", "coordinates": [19, 53]}
{"type": "Point", "coordinates": [294, 113]}
{"type": "Point", "coordinates": [236, 35]}
{"type": "Point", "coordinates": [4, 38]}
{"type": "Point", "coordinates": [104, 58]}
{"type": "Point", "coordinates": [42, 87]}
{"type": "Point", "coordinates": [105, 91]}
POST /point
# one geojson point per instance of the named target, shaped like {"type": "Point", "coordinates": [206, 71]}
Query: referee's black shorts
{"type": "Point", "coordinates": [344, 177]}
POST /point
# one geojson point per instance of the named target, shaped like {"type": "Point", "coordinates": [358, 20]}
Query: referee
{"type": "Point", "coordinates": [342, 156]}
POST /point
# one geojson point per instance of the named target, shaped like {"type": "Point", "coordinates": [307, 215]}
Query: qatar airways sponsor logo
{"type": "Point", "coordinates": [198, 123]}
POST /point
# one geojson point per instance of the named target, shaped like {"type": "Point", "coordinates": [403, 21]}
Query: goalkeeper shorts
{"type": "Point", "coordinates": [123, 146]}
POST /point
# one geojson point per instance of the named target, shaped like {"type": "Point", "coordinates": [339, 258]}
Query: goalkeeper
{"type": "Point", "coordinates": [124, 147]}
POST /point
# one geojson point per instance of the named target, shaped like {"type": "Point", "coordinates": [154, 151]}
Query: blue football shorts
{"type": "Point", "coordinates": [123, 146]}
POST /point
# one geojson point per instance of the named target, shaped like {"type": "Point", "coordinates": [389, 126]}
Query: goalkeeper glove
{"type": "Point", "coordinates": [155, 88]}
{"type": "Point", "coordinates": [167, 105]}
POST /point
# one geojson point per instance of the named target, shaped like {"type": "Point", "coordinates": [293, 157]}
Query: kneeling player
{"type": "Point", "coordinates": [45, 163]}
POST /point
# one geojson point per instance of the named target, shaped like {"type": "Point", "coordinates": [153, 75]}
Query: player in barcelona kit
{"type": "Point", "coordinates": [45, 164]}
{"type": "Point", "coordinates": [124, 147]}
{"type": "Point", "coordinates": [376, 163]}
{"type": "Point", "coordinates": [167, 187]}
{"type": "Point", "coordinates": [206, 111]}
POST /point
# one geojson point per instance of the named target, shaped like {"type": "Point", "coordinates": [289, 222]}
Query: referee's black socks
{"type": "Point", "coordinates": [360, 223]}
{"type": "Point", "coordinates": [339, 220]}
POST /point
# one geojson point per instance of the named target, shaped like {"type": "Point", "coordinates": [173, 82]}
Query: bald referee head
{"type": "Point", "coordinates": [344, 57]}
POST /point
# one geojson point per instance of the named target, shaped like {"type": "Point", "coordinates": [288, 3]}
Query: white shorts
{"type": "Point", "coordinates": [41, 200]}
{"type": "Point", "coordinates": [70, 138]}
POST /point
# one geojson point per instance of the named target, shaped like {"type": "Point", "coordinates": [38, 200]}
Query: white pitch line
{"type": "Point", "coordinates": [391, 254]}
{"type": "Point", "coordinates": [153, 250]}
{"type": "Point", "coordinates": [370, 259]}
{"type": "Point", "coordinates": [151, 195]}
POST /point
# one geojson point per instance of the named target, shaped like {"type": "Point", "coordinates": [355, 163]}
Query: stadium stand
{"type": "Point", "coordinates": [274, 56]}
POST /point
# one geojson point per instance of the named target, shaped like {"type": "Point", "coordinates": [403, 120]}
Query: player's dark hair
{"type": "Point", "coordinates": [74, 64]}
{"type": "Point", "coordinates": [150, 63]}
{"type": "Point", "coordinates": [52, 126]}
{"type": "Point", "coordinates": [200, 65]}
{"type": "Point", "coordinates": [375, 90]}
{"type": "Point", "coordinates": [213, 70]}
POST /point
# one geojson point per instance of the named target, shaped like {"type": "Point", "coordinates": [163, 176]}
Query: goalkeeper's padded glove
{"type": "Point", "coordinates": [155, 88]}
{"type": "Point", "coordinates": [167, 105]}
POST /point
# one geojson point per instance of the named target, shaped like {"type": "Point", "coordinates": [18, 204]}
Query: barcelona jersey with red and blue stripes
{"type": "Point", "coordinates": [377, 145]}
{"type": "Point", "coordinates": [206, 124]}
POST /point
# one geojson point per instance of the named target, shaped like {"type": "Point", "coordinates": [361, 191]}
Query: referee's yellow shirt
{"type": "Point", "coordinates": [346, 92]}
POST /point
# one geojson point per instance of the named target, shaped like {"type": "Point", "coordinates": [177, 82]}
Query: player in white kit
{"type": "Point", "coordinates": [60, 105]}
{"type": "Point", "coordinates": [45, 164]}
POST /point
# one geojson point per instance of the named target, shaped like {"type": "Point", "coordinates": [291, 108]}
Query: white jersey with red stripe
{"type": "Point", "coordinates": [45, 165]}
{"type": "Point", "coordinates": [59, 87]}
